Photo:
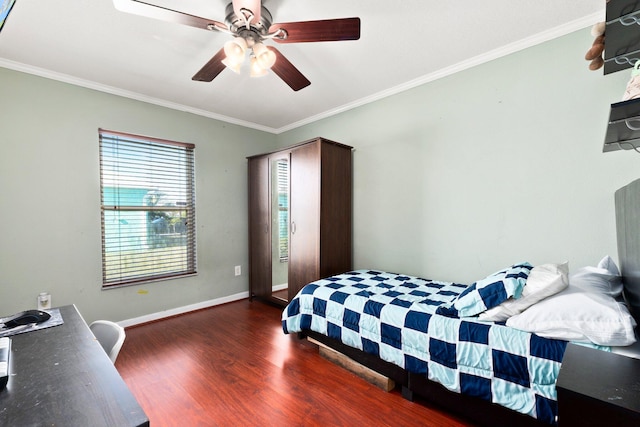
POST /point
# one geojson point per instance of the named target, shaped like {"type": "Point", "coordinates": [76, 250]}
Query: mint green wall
{"type": "Point", "coordinates": [497, 164]}
{"type": "Point", "coordinates": [50, 198]}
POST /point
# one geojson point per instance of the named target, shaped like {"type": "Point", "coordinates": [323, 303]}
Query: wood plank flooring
{"type": "Point", "coordinates": [231, 365]}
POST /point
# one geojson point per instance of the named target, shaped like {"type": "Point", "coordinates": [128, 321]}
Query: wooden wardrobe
{"type": "Point", "coordinates": [300, 217]}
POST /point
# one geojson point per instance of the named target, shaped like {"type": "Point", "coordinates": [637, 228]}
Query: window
{"type": "Point", "coordinates": [148, 209]}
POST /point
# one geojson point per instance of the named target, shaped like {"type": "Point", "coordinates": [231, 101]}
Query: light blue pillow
{"type": "Point", "coordinates": [488, 292]}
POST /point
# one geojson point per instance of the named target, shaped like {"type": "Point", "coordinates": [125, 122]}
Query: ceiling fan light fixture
{"type": "Point", "coordinates": [264, 56]}
{"type": "Point", "coordinates": [251, 24]}
{"type": "Point", "coordinates": [233, 66]}
{"type": "Point", "coordinates": [256, 69]}
{"type": "Point", "coordinates": [235, 49]}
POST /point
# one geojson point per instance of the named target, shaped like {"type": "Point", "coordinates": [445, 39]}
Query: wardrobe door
{"type": "Point", "coordinates": [259, 228]}
{"type": "Point", "coordinates": [304, 239]}
{"type": "Point", "coordinates": [335, 210]}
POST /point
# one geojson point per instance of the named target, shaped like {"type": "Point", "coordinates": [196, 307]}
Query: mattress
{"type": "Point", "coordinates": [393, 316]}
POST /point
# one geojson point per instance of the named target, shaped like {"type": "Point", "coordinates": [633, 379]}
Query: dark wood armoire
{"type": "Point", "coordinates": [300, 217]}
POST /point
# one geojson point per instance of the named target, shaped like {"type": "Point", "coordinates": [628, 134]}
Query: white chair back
{"type": "Point", "coordinates": [110, 335]}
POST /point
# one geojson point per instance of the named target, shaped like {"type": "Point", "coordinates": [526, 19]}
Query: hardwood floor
{"type": "Point", "coordinates": [231, 365]}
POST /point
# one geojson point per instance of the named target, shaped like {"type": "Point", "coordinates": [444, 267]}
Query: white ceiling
{"type": "Point", "coordinates": [403, 43]}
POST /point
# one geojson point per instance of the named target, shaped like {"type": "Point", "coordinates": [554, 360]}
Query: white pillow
{"type": "Point", "coordinates": [576, 315]}
{"type": "Point", "coordinates": [543, 281]}
{"type": "Point", "coordinates": [604, 279]}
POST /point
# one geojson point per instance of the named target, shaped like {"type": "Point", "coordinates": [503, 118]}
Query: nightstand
{"type": "Point", "coordinates": [598, 388]}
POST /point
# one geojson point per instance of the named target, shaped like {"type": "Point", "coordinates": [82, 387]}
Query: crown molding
{"type": "Point", "coordinates": [65, 78]}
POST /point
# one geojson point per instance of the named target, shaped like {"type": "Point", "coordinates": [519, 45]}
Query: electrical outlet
{"type": "Point", "coordinates": [238, 270]}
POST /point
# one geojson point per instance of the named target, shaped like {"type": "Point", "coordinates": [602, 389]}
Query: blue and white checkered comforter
{"type": "Point", "coordinates": [394, 317]}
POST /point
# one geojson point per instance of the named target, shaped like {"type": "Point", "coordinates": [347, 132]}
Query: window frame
{"type": "Point", "coordinates": [181, 156]}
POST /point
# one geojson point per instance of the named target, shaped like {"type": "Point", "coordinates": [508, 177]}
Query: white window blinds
{"type": "Point", "coordinates": [148, 209]}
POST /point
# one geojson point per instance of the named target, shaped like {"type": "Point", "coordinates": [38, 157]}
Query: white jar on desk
{"type": "Point", "coordinates": [44, 301]}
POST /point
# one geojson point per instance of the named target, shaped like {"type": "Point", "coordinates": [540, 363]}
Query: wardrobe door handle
{"type": "Point", "coordinates": [293, 227]}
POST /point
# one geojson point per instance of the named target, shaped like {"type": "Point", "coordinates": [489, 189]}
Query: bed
{"type": "Point", "coordinates": [490, 350]}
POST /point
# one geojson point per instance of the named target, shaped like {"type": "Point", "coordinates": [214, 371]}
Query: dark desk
{"type": "Point", "coordinates": [61, 376]}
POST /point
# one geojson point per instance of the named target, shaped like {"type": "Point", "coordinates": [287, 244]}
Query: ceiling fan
{"type": "Point", "coordinates": [250, 24]}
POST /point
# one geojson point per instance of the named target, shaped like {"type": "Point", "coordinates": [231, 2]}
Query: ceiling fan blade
{"type": "Point", "coordinates": [211, 69]}
{"type": "Point", "coordinates": [149, 10]}
{"type": "Point", "coordinates": [288, 72]}
{"type": "Point", "coordinates": [319, 31]}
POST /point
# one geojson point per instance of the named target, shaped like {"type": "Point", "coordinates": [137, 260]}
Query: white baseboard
{"type": "Point", "coordinates": [181, 310]}
{"type": "Point", "coordinates": [279, 287]}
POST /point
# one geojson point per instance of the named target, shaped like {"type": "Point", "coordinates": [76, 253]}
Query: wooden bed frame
{"type": "Point", "coordinates": [481, 412]}
{"type": "Point", "coordinates": [478, 411]}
